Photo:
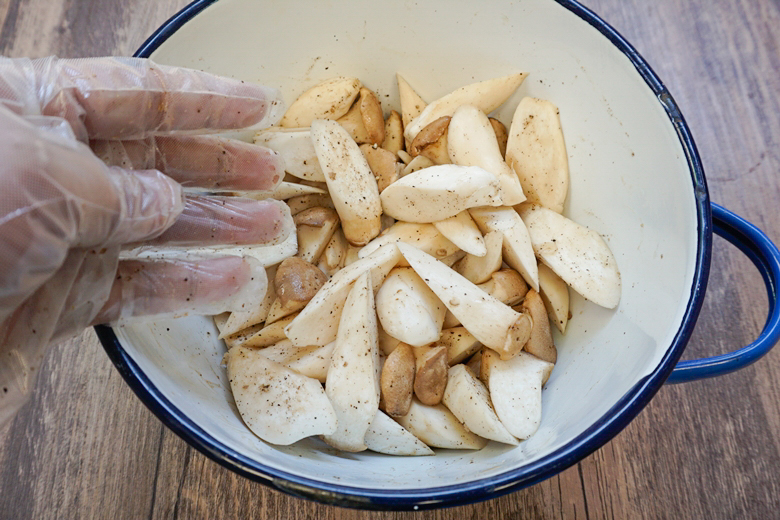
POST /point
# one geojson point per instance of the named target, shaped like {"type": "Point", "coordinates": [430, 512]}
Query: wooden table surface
{"type": "Point", "coordinates": [85, 446]}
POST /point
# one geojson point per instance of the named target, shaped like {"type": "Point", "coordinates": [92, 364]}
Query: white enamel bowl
{"type": "Point", "coordinates": [635, 177]}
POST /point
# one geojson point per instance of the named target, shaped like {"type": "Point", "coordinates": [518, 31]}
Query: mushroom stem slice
{"type": "Point", "coordinates": [516, 244]}
{"type": "Point", "coordinates": [579, 255]}
{"type": "Point", "coordinates": [516, 390]}
{"type": "Point", "coordinates": [490, 321]}
{"type": "Point", "coordinates": [540, 344]}
{"type": "Point", "coordinates": [469, 400]}
{"type": "Point", "coordinates": [317, 323]}
{"type": "Point", "coordinates": [312, 361]}
{"type": "Point", "coordinates": [424, 237]}
{"type": "Point", "coordinates": [555, 295]}
{"type": "Point", "coordinates": [501, 135]}
{"type": "Point", "coordinates": [330, 99]}
{"type": "Point", "coordinates": [436, 426]}
{"type": "Point", "coordinates": [462, 231]}
{"type": "Point", "coordinates": [415, 164]}
{"type": "Point", "coordinates": [472, 142]}
{"type": "Point", "coordinates": [315, 228]}
{"type": "Point", "coordinates": [408, 309]}
{"type": "Point", "coordinates": [353, 375]}
{"type": "Point", "coordinates": [240, 320]}
{"type": "Point", "coordinates": [485, 95]}
{"type": "Point", "coordinates": [295, 147]}
{"type": "Point", "coordinates": [279, 405]}
{"type": "Point", "coordinates": [259, 336]}
{"type": "Point", "coordinates": [411, 102]}
{"type": "Point", "coordinates": [312, 200]}
{"type": "Point", "coordinates": [439, 192]}
{"type": "Point", "coordinates": [351, 184]}
{"type": "Point", "coordinates": [285, 190]}
{"type": "Point", "coordinates": [384, 435]}
{"type": "Point", "coordinates": [394, 133]}
{"type": "Point", "coordinates": [460, 344]}
{"type": "Point", "coordinates": [332, 259]}
{"type": "Point", "coordinates": [536, 152]}
{"type": "Point", "coordinates": [507, 286]}
{"type": "Point", "coordinates": [478, 269]}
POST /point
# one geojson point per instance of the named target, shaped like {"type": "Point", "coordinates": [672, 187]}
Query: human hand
{"type": "Point", "coordinates": [65, 214]}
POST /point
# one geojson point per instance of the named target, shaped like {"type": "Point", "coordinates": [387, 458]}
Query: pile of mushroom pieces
{"type": "Point", "coordinates": [412, 308]}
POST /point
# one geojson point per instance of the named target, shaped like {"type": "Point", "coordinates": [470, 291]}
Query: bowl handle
{"type": "Point", "coordinates": [766, 256]}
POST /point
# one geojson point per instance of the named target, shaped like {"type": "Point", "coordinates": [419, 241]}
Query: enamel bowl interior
{"type": "Point", "coordinates": [630, 180]}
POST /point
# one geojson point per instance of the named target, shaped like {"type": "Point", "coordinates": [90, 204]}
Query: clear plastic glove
{"type": "Point", "coordinates": [93, 157]}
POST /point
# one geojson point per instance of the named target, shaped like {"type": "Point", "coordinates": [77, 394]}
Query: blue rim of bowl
{"type": "Point", "coordinates": [609, 425]}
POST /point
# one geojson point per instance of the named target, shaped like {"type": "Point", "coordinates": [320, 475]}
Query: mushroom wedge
{"type": "Point", "coordinates": [285, 190]}
{"type": "Point", "coordinates": [579, 255]}
{"type": "Point", "coordinates": [408, 309]}
{"type": "Point", "coordinates": [486, 95]}
{"type": "Point", "coordinates": [318, 322]}
{"type": "Point", "coordinates": [332, 259]}
{"type": "Point", "coordinates": [259, 336]}
{"type": "Point", "coordinates": [436, 426]}
{"type": "Point", "coordinates": [384, 435]}
{"type": "Point", "coordinates": [424, 237]}
{"type": "Point", "coordinates": [311, 200]}
{"type": "Point", "coordinates": [279, 405]}
{"type": "Point", "coordinates": [394, 133]}
{"type": "Point", "coordinates": [555, 295]}
{"type": "Point", "coordinates": [462, 231]}
{"type": "Point", "coordinates": [315, 227]}
{"type": "Point", "coordinates": [240, 320]}
{"type": "Point", "coordinates": [472, 142]}
{"type": "Point", "coordinates": [364, 121]}
{"type": "Point", "coordinates": [494, 324]}
{"type": "Point", "coordinates": [516, 390]}
{"type": "Point", "coordinates": [330, 99]}
{"type": "Point", "coordinates": [516, 245]}
{"type": "Point", "coordinates": [460, 344]}
{"type": "Point", "coordinates": [312, 361]}
{"type": "Point", "coordinates": [478, 269]}
{"type": "Point", "coordinates": [411, 102]}
{"type": "Point", "coordinates": [505, 285]}
{"type": "Point", "coordinates": [438, 192]}
{"type": "Point", "coordinates": [351, 183]}
{"type": "Point", "coordinates": [353, 375]}
{"type": "Point", "coordinates": [469, 400]}
{"type": "Point", "coordinates": [296, 149]}
{"type": "Point", "coordinates": [536, 152]}
{"type": "Point", "coordinates": [540, 343]}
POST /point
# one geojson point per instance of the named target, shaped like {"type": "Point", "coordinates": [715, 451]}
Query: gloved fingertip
{"type": "Point", "coordinates": [150, 203]}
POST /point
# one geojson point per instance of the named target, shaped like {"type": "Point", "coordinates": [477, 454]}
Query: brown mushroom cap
{"type": "Point", "coordinates": [297, 280]}
{"type": "Point", "coordinates": [540, 342]}
{"type": "Point", "coordinates": [397, 381]}
{"type": "Point", "coordinates": [431, 141]}
{"type": "Point", "coordinates": [364, 121]}
{"type": "Point", "coordinates": [430, 380]}
{"type": "Point", "coordinates": [394, 133]}
{"type": "Point", "coordinates": [383, 165]}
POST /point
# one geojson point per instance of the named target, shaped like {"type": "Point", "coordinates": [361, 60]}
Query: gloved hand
{"type": "Point", "coordinates": [65, 214]}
